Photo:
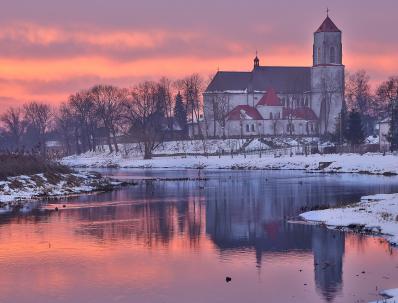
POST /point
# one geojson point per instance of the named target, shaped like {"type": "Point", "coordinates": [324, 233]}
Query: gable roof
{"type": "Point", "coordinates": [328, 26]}
{"type": "Point", "coordinates": [244, 112]}
{"type": "Point", "coordinates": [283, 79]}
{"type": "Point", "coordinates": [270, 99]}
{"type": "Point", "coordinates": [224, 81]}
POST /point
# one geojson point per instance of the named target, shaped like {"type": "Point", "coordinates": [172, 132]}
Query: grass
{"type": "Point", "coordinates": [16, 165]}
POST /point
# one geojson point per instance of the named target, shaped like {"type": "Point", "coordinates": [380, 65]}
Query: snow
{"type": "Point", "coordinates": [377, 214]}
{"type": "Point", "coordinates": [333, 163]}
{"type": "Point", "coordinates": [25, 188]}
{"type": "Point", "coordinates": [391, 294]}
{"type": "Point", "coordinates": [372, 140]}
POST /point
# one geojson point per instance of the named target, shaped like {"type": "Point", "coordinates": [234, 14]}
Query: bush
{"type": "Point", "coordinates": [16, 165]}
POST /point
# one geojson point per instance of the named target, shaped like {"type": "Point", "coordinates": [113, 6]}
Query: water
{"type": "Point", "coordinates": [168, 241]}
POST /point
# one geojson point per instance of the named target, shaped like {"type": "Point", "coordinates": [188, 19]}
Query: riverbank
{"type": "Point", "coordinates": [389, 296]}
{"type": "Point", "coordinates": [15, 191]}
{"type": "Point", "coordinates": [346, 163]}
{"type": "Point", "coordinates": [376, 215]}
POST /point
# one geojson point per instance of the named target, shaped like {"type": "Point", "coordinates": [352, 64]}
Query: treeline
{"type": "Point", "coordinates": [146, 113]}
{"type": "Point", "coordinates": [364, 108]}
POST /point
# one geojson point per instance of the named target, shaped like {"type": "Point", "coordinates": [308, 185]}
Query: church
{"type": "Point", "coordinates": [279, 100]}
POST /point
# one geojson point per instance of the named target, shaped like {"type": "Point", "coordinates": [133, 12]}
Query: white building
{"type": "Point", "coordinates": [275, 100]}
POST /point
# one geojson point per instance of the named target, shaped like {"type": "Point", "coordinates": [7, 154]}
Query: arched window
{"type": "Point", "coordinates": [270, 116]}
{"type": "Point", "coordinates": [253, 128]}
{"type": "Point", "coordinates": [247, 128]}
{"type": "Point", "coordinates": [332, 55]}
{"type": "Point", "coordinates": [319, 55]}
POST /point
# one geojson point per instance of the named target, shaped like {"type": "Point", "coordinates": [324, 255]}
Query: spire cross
{"type": "Point", "coordinates": [327, 11]}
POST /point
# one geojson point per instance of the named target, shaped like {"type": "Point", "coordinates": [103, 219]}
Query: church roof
{"type": "Point", "coordinates": [283, 79]}
{"type": "Point", "coordinates": [270, 99]}
{"type": "Point", "coordinates": [244, 112]}
{"type": "Point", "coordinates": [328, 26]}
{"type": "Point", "coordinates": [224, 81]}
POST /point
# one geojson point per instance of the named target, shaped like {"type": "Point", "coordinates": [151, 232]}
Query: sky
{"type": "Point", "coordinates": [52, 48]}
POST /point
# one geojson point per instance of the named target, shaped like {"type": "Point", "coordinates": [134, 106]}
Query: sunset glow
{"type": "Point", "coordinates": [46, 58]}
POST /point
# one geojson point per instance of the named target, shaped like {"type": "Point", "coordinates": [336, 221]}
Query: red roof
{"type": "Point", "coordinates": [238, 113]}
{"type": "Point", "coordinates": [304, 113]}
{"type": "Point", "coordinates": [328, 26]}
{"type": "Point", "coordinates": [270, 99]}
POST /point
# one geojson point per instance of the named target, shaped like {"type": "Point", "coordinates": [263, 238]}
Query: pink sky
{"type": "Point", "coordinates": [51, 48]}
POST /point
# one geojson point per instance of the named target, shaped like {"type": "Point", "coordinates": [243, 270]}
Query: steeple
{"type": "Point", "coordinates": [327, 44]}
{"type": "Point", "coordinates": [256, 61]}
{"type": "Point", "coordinates": [328, 26]}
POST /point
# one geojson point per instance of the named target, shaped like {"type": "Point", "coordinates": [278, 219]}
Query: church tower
{"type": "Point", "coordinates": [327, 75]}
{"type": "Point", "coordinates": [327, 44]}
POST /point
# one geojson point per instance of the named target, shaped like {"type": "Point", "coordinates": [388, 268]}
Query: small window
{"type": "Point", "coordinates": [253, 128]}
{"type": "Point", "coordinates": [319, 55]}
{"type": "Point", "coordinates": [247, 128]}
{"type": "Point", "coordinates": [332, 55]}
{"type": "Point", "coordinates": [270, 116]}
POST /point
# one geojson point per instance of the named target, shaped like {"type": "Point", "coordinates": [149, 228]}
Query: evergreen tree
{"type": "Point", "coordinates": [355, 134]}
{"type": "Point", "coordinates": [393, 133]}
{"type": "Point", "coordinates": [180, 112]}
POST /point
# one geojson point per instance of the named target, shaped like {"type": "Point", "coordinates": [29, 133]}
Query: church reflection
{"type": "Point", "coordinates": [251, 215]}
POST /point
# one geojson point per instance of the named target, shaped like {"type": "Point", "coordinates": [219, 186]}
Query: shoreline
{"type": "Point", "coordinates": [371, 164]}
{"type": "Point", "coordinates": [375, 215]}
{"type": "Point", "coordinates": [19, 191]}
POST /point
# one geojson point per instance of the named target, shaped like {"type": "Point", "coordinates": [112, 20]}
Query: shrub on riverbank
{"type": "Point", "coordinates": [16, 165]}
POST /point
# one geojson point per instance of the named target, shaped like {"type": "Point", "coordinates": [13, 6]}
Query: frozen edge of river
{"type": "Point", "coordinates": [18, 191]}
{"type": "Point", "coordinates": [375, 164]}
{"type": "Point", "coordinates": [376, 215]}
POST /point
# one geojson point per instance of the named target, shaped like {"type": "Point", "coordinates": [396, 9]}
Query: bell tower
{"type": "Point", "coordinates": [327, 75]}
{"type": "Point", "coordinates": [327, 44]}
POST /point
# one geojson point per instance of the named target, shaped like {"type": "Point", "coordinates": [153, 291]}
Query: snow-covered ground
{"type": "Point", "coordinates": [19, 189]}
{"type": "Point", "coordinates": [345, 163]}
{"type": "Point", "coordinates": [391, 296]}
{"type": "Point", "coordinates": [377, 214]}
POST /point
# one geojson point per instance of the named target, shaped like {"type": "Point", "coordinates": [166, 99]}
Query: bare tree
{"type": "Point", "coordinates": [38, 117]}
{"type": "Point", "coordinates": [330, 87]}
{"type": "Point", "coordinates": [192, 89]}
{"type": "Point", "coordinates": [15, 125]}
{"type": "Point", "coordinates": [108, 102]}
{"type": "Point", "coordinates": [144, 110]}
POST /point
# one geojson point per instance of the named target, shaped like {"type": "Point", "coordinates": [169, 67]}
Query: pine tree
{"type": "Point", "coordinates": [393, 133]}
{"type": "Point", "coordinates": [355, 134]}
{"type": "Point", "coordinates": [180, 112]}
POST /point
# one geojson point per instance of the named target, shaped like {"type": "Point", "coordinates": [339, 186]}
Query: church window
{"type": "Point", "coordinates": [270, 116]}
{"type": "Point", "coordinates": [332, 55]}
{"type": "Point", "coordinates": [319, 55]}
{"type": "Point", "coordinates": [252, 127]}
{"type": "Point", "coordinates": [247, 128]}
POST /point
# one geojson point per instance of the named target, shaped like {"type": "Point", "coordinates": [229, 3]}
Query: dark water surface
{"type": "Point", "coordinates": [168, 241]}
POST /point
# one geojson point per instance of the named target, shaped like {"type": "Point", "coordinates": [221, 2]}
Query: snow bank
{"type": "Point", "coordinates": [377, 214]}
{"type": "Point", "coordinates": [346, 163]}
{"type": "Point", "coordinates": [24, 188]}
{"type": "Point", "coordinates": [391, 296]}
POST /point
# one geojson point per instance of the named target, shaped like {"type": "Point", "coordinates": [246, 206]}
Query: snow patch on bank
{"type": "Point", "coordinates": [390, 294]}
{"type": "Point", "coordinates": [334, 163]}
{"type": "Point", "coordinates": [15, 190]}
{"type": "Point", "coordinates": [377, 214]}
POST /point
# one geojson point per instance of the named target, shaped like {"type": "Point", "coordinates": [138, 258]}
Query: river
{"type": "Point", "coordinates": [176, 241]}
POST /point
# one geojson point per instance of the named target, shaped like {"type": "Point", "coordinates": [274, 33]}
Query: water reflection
{"type": "Point", "coordinates": [179, 234]}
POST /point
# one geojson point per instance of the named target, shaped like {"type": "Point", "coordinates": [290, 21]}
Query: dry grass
{"type": "Point", "coordinates": [16, 165]}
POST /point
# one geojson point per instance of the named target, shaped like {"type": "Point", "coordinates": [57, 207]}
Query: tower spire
{"type": "Point", "coordinates": [256, 60]}
{"type": "Point", "coordinates": [327, 12]}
